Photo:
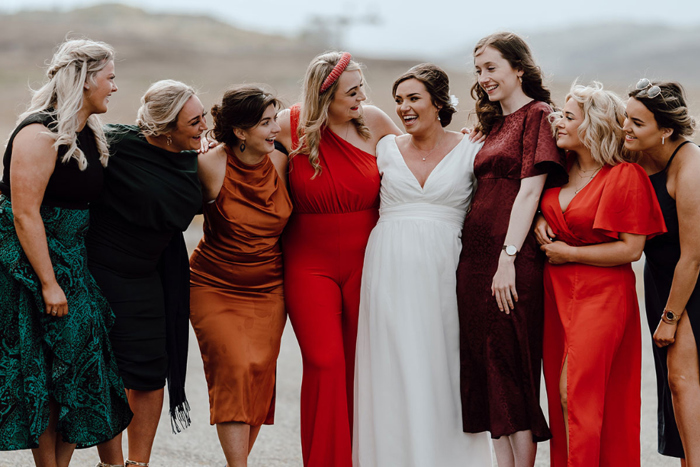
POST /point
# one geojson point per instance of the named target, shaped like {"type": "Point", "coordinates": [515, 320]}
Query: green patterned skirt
{"type": "Point", "coordinates": [42, 357]}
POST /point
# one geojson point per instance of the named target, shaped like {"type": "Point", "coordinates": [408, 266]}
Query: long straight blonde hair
{"type": "Point", "coordinates": [314, 107]}
{"type": "Point", "coordinates": [75, 62]}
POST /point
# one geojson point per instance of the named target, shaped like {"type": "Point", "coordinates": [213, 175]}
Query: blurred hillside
{"type": "Point", "coordinates": [212, 55]}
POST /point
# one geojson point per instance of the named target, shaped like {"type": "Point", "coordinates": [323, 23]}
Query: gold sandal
{"type": "Point", "coordinates": [104, 464]}
{"type": "Point", "coordinates": [139, 464]}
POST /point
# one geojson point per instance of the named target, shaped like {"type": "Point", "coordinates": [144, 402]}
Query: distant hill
{"type": "Point", "coordinates": [615, 53]}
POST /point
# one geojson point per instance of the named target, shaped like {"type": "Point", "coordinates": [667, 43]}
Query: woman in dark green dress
{"type": "Point", "coordinates": [59, 384]}
{"type": "Point", "coordinates": [139, 260]}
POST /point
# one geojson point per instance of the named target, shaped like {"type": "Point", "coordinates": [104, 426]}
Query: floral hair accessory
{"type": "Point", "coordinates": [338, 70]}
{"type": "Point", "coordinates": [454, 102]}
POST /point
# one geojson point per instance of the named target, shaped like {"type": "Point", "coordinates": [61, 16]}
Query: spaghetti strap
{"type": "Point", "coordinates": [668, 164]}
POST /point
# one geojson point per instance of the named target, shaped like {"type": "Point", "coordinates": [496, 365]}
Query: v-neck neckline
{"type": "Point", "coordinates": [576, 195]}
{"type": "Point", "coordinates": [403, 160]}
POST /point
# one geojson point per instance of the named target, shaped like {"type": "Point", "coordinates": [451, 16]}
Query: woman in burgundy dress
{"type": "Point", "coordinates": [499, 277]}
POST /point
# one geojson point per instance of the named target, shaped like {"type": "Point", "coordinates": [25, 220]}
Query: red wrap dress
{"type": "Point", "coordinates": [592, 316]}
{"type": "Point", "coordinates": [324, 247]}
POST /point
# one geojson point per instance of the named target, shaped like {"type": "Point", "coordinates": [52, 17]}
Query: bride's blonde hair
{"type": "Point", "coordinates": [314, 107]}
{"type": "Point", "coordinates": [75, 62]}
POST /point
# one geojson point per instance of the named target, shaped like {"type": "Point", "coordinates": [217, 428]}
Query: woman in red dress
{"type": "Point", "coordinates": [596, 225]}
{"type": "Point", "coordinates": [499, 277]}
{"type": "Point", "coordinates": [334, 185]}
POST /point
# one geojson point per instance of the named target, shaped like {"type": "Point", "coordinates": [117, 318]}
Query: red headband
{"type": "Point", "coordinates": [338, 70]}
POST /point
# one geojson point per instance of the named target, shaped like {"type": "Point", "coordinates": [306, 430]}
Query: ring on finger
{"type": "Point", "coordinates": [54, 312]}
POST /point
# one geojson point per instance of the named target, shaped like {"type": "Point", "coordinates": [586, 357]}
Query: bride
{"type": "Point", "coordinates": [407, 397]}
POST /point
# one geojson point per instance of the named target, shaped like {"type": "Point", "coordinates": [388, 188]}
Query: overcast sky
{"type": "Point", "coordinates": [410, 27]}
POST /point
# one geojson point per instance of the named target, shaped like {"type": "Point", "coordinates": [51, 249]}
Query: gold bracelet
{"type": "Point", "coordinates": [670, 316]}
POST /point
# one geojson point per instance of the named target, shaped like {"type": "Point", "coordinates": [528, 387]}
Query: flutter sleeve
{"type": "Point", "coordinates": [540, 152]}
{"type": "Point", "coordinates": [628, 204]}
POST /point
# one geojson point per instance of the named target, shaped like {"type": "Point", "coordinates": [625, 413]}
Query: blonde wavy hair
{"type": "Point", "coordinates": [76, 62]}
{"type": "Point", "coordinates": [603, 117]}
{"type": "Point", "coordinates": [161, 105]}
{"type": "Point", "coordinates": [314, 107]}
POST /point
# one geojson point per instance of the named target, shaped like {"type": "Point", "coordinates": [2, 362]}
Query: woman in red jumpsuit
{"type": "Point", "coordinates": [334, 184]}
{"type": "Point", "coordinates": [596, 225]}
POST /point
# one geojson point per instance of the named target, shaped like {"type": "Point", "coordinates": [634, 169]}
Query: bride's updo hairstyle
{"type": "Point", "coordinates": [437, 84]}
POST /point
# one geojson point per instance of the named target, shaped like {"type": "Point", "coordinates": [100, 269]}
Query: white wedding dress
{"type": "Point", "coordinates": [407, 397]}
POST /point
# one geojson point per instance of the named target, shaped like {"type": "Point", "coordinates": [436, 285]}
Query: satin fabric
{"type": "Point", "coordinates": [237, 301]}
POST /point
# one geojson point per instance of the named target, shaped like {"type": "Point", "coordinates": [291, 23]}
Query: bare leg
{"type": "Point", "coordinates": [111, 451]}
{"type": "Point", "coordinates": [236, 442]}
{"type": "Point", "coordinates": [254, 431]}
{"type": "Point", "coordinates": [52, 451]}
{"type": "Point", "coordinates": [524, 449]}
{"type": "Point", "coordinates": [147, 406]}
{"type": "Point", "coordinates": [516, 450]}
{"type": "Point", "coordinates": [564, 397]}
{"type": "Point", "coordinates": [504, 452]}
{"type": "Point", "coordinates": [684, 382]}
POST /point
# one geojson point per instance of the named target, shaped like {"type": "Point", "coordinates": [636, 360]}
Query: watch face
{"type": "Point", "coordinates": [670, 315]}
{"type": "Point", "coordinates": [511, 250]}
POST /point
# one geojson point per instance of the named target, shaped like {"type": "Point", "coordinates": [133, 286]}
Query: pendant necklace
{"type": "Point", "coordinates": [588, 177]}
{"type": "Point", "coordinates": [431, 151]}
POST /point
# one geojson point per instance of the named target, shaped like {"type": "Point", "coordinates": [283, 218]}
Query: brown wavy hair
{"type": "Point", "coordinates": [241, 107]}
{"type": "Point", "coordinates": [517, 53]}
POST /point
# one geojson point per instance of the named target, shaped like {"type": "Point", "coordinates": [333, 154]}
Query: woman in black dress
{"type": "Point", "coordinates": [659, 126]}
{"type": "Point", "coordinates": [59, 383]}
{"type": "Point", "coordinates": [139, 260]}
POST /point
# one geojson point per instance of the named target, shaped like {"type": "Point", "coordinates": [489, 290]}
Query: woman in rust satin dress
{"type": "Point", "coordinates": [237, 301]}
{"type": "Point", "coordinates": [334, 183]}
{"type": "Point", "coordinates": [599, 222]}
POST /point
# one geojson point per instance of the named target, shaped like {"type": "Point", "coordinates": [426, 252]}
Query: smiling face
{"type": "Point", "coordinates": [496, 77]}
{"type": "Point", "coordinates": [191, 123]}
{"type": "Point", "coordinates": [641, 130]}
{"type": "Point", "coordinates": [347, 100]}
{"type": "Point", "coordinates": [567, 127]}
{"type": "Point", "coordinates": [96, 91]}
{"type": "Point", "coordinates": [260, 139]}
{"type": "Point", "coordinates": [415, 107]}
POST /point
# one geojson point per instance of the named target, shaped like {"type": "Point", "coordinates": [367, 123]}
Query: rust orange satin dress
{"type": "Point", "coordinates": [237, 299]}
{"type": "Point", "coordinates": [592, 316]}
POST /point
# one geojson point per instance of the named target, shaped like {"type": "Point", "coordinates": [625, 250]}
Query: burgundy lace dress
{"type": "Point", "coordinates": [501, 353]}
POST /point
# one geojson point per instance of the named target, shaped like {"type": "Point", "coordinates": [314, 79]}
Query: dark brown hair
{"type": "Point", "coordinates": [437, 83]}
{"type": "Point", "coordinates": [242, 107]}
{"type": "Point", "coordinates": [517, 53]}
{"type": "Point", "coordinates": [670, 108]}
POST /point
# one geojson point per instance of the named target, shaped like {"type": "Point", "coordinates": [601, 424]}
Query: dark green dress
{"type": "Point", "coordinates": [138, 258]}
{"type": "Point", "coordinates": [42, 357]}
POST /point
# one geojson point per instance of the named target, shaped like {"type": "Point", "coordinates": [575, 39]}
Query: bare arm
{"type": "Point", "coordinates": [626, 250]}
{"type": "Point", "coordinates": [685, 276]}
{"type": "Point", "coordinates": [280, 161]}
{"type": "Point", "coordinates": [379, 123]}
{"type": "Point", "coordinates": [211, 170]}
{"type": "Point", "coordinates": [521, 216]}
{"type": "Point", "coordinates": [285, 134]}
{"type": "Point", "coordinates": [33, 162]}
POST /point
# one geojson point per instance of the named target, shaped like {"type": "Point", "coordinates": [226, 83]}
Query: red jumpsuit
{"type": "Point", "coordinates": [324, 247]}
{"type": "Point", "coordinates": [592, 318]}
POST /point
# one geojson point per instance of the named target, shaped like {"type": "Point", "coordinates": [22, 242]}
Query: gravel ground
{"type": "Point", "coordinates": [279, 445]}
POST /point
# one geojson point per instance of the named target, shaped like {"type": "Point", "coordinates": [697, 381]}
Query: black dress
{"type": "Point", "coordinates": [68, 360]}
{"type": "Point", "coordinates": [662, 254]}
{"type": "Point", "coordinates": [150, 196]}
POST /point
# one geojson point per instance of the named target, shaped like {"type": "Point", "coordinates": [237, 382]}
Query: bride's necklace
{"type": "Point", "coordinates": [431, 151]}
